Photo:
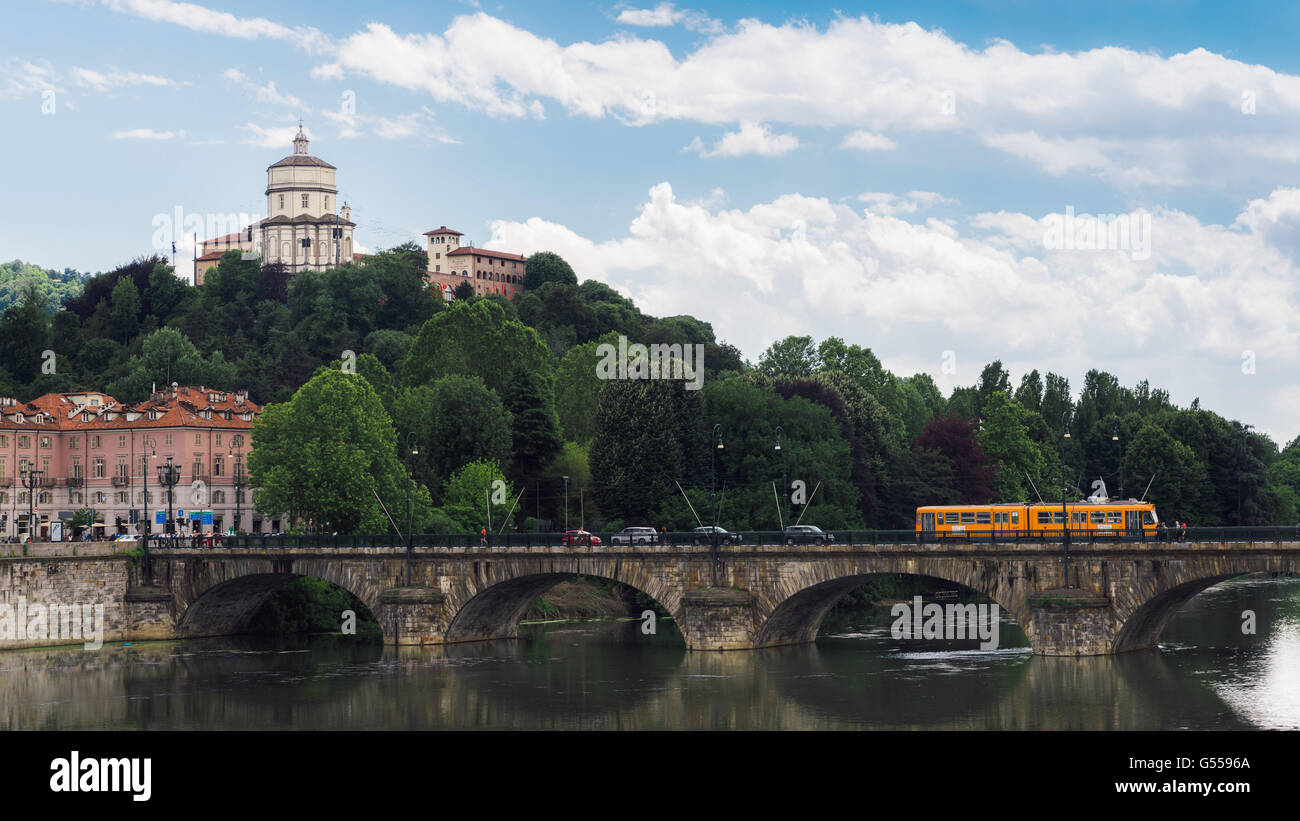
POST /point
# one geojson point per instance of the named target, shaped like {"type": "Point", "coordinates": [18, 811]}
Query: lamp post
{"type": "Point", "coordinates": [236, 452]}
{"type": "Point", "coordinates": [168, 476]}
{"type": "Point", "coordinates": [31, 478]}
{"type": "Point", "coordinates": [411, 450]}
{"type": "Point", "coordinates": [785, 474]}
{"type": "Point", "coordinates": [1114, 437]}
{"type": "Point", "coordinates": [1065, 516]}
{"type": "Point", "coordinates": [716, 439]}
{"type": "Point", "coordinates": [566, 504]}
{"type": "Point", "coordinates": [150, 443]}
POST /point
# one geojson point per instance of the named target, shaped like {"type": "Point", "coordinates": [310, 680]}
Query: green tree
{"type": "Point", "coordinates": [473, 490]}
{"type": "Point", "coordinates": [328, 456]}
{"type": "Point", "coordinates": [546, 266]}
{"type": "Point", "coordinates": [535, 431]}
{"type": "Point", "coordinates": [475, 340]}
{"type": "Point", "coordinates": [1012, 454]}
{"type": "Point", "coordinates": [456, 420]}
{"type": "Point", "coordinates": [124, 316]}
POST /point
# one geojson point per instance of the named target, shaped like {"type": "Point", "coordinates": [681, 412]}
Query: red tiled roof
{"type": "Point", "coordinates": [443, 230]}
{"type": "Point", "coordinates": [185, 410]}
{"type": "Point", "coordinates": [485, 252]}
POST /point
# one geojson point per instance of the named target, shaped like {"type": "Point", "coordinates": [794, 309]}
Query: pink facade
{"type": "Point", "coordinates": [92, 451]}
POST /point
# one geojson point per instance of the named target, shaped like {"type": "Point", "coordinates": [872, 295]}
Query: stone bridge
{"type": "Point", "coordinates": [1120, 596]}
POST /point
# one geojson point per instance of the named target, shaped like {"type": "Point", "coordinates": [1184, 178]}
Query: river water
{"type": "Point", "coordinates": [610, 676]}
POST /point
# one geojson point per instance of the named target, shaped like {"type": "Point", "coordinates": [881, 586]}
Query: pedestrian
{"type": "Point", "coordinates": [1182, 533]}
{"type": "Point", "coordinates": [482, 537]}
{"type": "Point", "coordinates": [1164, 532]}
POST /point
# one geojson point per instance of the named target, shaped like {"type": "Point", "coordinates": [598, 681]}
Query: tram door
{"type": "Point", "coordinates": [927, 524]}
{"type": "Point", "coordinates": [1133, 523]}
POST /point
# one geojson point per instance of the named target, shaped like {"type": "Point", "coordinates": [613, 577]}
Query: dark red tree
{"type": "Point", "coordinates": [954, 437]}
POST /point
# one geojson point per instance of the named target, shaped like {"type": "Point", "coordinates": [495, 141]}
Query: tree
{"type": "Point", "coordinates": [124, 316]}
{"type": "Point", "coordinates": [475, 340]}
{"type": "Point", "coordinates": [24, 334]}
{"type": "Point", "coordinates": [535, 431]}
{"type": "Point", "coordinates": [956, 439]}
{"type": "Point", "coordinates": [456, 420]}
{"type": "Point", "coordinates": [577, 391]}
{"type": "Point", "coordinates": [792, 357]}
{"type": "Point", "coordinates": [327, 457]}
{"type": "Point", "coordinates": [546, 266]}
{"type": "Point", "coordinates": [473, 490]}
{"type": "Point", "coordinates": [1013, 455]}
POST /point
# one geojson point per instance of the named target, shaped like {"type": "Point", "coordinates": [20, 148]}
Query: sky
{"type": "Point", "coordinates": [1056, 186]}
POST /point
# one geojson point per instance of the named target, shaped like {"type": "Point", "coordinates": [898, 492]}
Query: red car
{"type": "Point", "coordinates": [579, 537]}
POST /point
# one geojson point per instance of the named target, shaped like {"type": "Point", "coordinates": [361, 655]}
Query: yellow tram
{"type": "Point", "coordinates": [1116, 518]}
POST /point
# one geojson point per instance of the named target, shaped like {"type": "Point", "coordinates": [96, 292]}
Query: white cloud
{"type": "Point", "coordinates": [278, 136]}
{"type": "Point", "coordinates": [866, 141]}
{"type": "Point", "coordinates": [20, 78]}
{"type": "Point", "coordinates": [106, 81]}
{"type": "Point", "coordinates": [147, 134]}
{"type": "Point", "coordinates": [1182, 317]}
{"type": "Point", "coordinates": [412, 124]}
{"type": "Point", "coordinates": [887, 204]}
{"type": "Point", "coordinates": [752, 138]}
{"type": "Point", "coordinates": [1132, 117]}
{"type": "Point", "coordinates": [667, 14]}
{"type": "Point", "coordinates": [267, 94]}
{"type": "Point", "coordinates": [200, 18]}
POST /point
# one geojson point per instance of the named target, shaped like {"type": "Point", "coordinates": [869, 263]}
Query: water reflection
{"type": "Point", "coordinates": [603, 675]}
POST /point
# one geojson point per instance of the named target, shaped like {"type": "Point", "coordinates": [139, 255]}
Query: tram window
{"type": "Point", "coordinates": [981, 518]}
{"type": "Point", "coordinates": [1114, 517]}
{"type": "Point", "coordinates": [1147, 518]}
{"type": "Point", "coordinates": [1000, 518]}
{"type": "Point", "coordinates": [1044, 517]}
{"type": "Point", "coordinates": [968, 518]}
{"type": "Point", "coordinates": [1058, 518]}
{"type": "Point", "coordinates": [1079, 518]}
{"type": "Point", "coordinates": [1098, 517]}
{"type": "Point", "coordinates": [1015, 518]}
{"type": "Point", "coordinates": [950, 518]}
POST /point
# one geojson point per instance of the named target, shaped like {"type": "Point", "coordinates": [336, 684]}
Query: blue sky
{"type": "Point", "coordinates": [885, 172]}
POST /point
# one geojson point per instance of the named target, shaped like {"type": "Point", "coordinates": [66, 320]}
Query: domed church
{"type": "Point", "coordinates": [305, 227]}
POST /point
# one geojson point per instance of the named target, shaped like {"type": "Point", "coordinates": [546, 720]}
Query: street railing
{"type": "Point", "coordinates": [601, 540]}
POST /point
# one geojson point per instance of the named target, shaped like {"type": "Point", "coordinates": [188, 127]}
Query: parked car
{"type": "Point", "coordinates": [704, 535]}
{"type": "Point", "coordinates": [579, 537]}
{"type": "Point", "coordinates": [807, 534]}
{"type": "Point", "coordinates": [635, 535]}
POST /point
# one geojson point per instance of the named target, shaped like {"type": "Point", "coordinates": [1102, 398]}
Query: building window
{"type": "Point", "coordinates": [282, 202]}
{"type": "Point", "coordinates": [99, 467]}
{"type": "Point", "coordinates": [121, 498]}
{"type": "Point", "coordinates": [24, 441]}
{"type": "Point", "coordinates": [218, 466]}
{"type": "Point", "coordinates": [304, 200]}
{"type": "Point", "coordinates": [4, 441]}
{"type": "Point", "coordinates": [45, 498]}
{"type": "Point", "coordinates": [74, 442]}
{"type": "Point", "coordinates": [45, 442]}
{"type": "Point", "coordinates": [218, 442]}
{"type": "Point", "coordinates": [96, 441]}
{"type": "Point", "coordinates": [121, 441]}
{"type": "Point", "coordinates": [167, 440]}
{"type": "Point", "coordinates": [327, 203]}
{"type": "Point", "coordinates": [100, 498]}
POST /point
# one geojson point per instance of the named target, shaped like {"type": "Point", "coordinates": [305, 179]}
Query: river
{"type": "Point", "coordinates": [1207, 674]}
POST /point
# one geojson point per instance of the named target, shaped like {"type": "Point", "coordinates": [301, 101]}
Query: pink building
{"type": "Point", "coordinates": [90, 451]}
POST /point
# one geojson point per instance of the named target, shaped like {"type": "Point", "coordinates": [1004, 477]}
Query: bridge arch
{"type": "Point", "coordinates": [1142, 626]}
{"type": "Point", "coordinates": [221, 598]}
{"type": "Point", "coordinates": [492, 607]}
{"type": "Point", "coordinates": [796, 616]}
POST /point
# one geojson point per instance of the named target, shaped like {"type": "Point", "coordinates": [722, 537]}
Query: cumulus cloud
{"type": "Point", "coordinates": [199, 18]}
{"type": "Point", "coordinates": [147, 134]}
{"type": "Point", "coordinates": [887, 204]}
{"type": "Point", "coordinates": [912, 290]}
{"type": "Point", "coordinates": [866, 141]}
{"type": "Point", "coordinates": [106, 81]}
{"type": "Point", "coordinates": [1134, 117]}
{"type": "Point", "coordinates": [667, 14]}
{"type": "Point", "coordinates": [752, 138]}
{"type": "Point", "coordinates": [277, 136]}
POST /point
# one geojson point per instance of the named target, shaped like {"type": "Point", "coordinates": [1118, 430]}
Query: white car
{"type": "Point", "coordinates": [635, 535]}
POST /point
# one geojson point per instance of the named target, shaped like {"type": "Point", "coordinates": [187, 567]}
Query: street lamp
{"type": "Point", "coordinates": [168, 476]}
{"type": "Point", "coordinates": [1065, 516]}
{"type": "Point", "coordinates": [1114, 437]}
{"type": "Point", "coordinates": [716, 437]}
{"type": "Point", "coordinates": [566, 504]}
{"type": "Point", "coordinates": [411, 450]}
{"type": "Point", "coordinates": [31, 479]}
{"type": "Point", "coordinates": [785, 474]}
{"type": "Point", "coordinates": [152, 444]}
{"type": "Point", "coordinates": [236, 452]}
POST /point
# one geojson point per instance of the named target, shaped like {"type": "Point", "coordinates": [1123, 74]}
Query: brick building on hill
{"type": "Point", "coordinates": [490, 272]}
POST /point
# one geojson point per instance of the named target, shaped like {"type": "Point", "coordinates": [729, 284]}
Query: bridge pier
{"type": "Point", "coordinates": [1071, 622]}
{"type": "Point", "coordinates": [717, 618]}
{"type": "Point", "coordinates": [412, 616]}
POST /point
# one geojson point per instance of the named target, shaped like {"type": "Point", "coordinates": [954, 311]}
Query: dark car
{"type": "Point", "coordinates": [807, 534]}
{"type": "Point", "coordinates": [704, 535]}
